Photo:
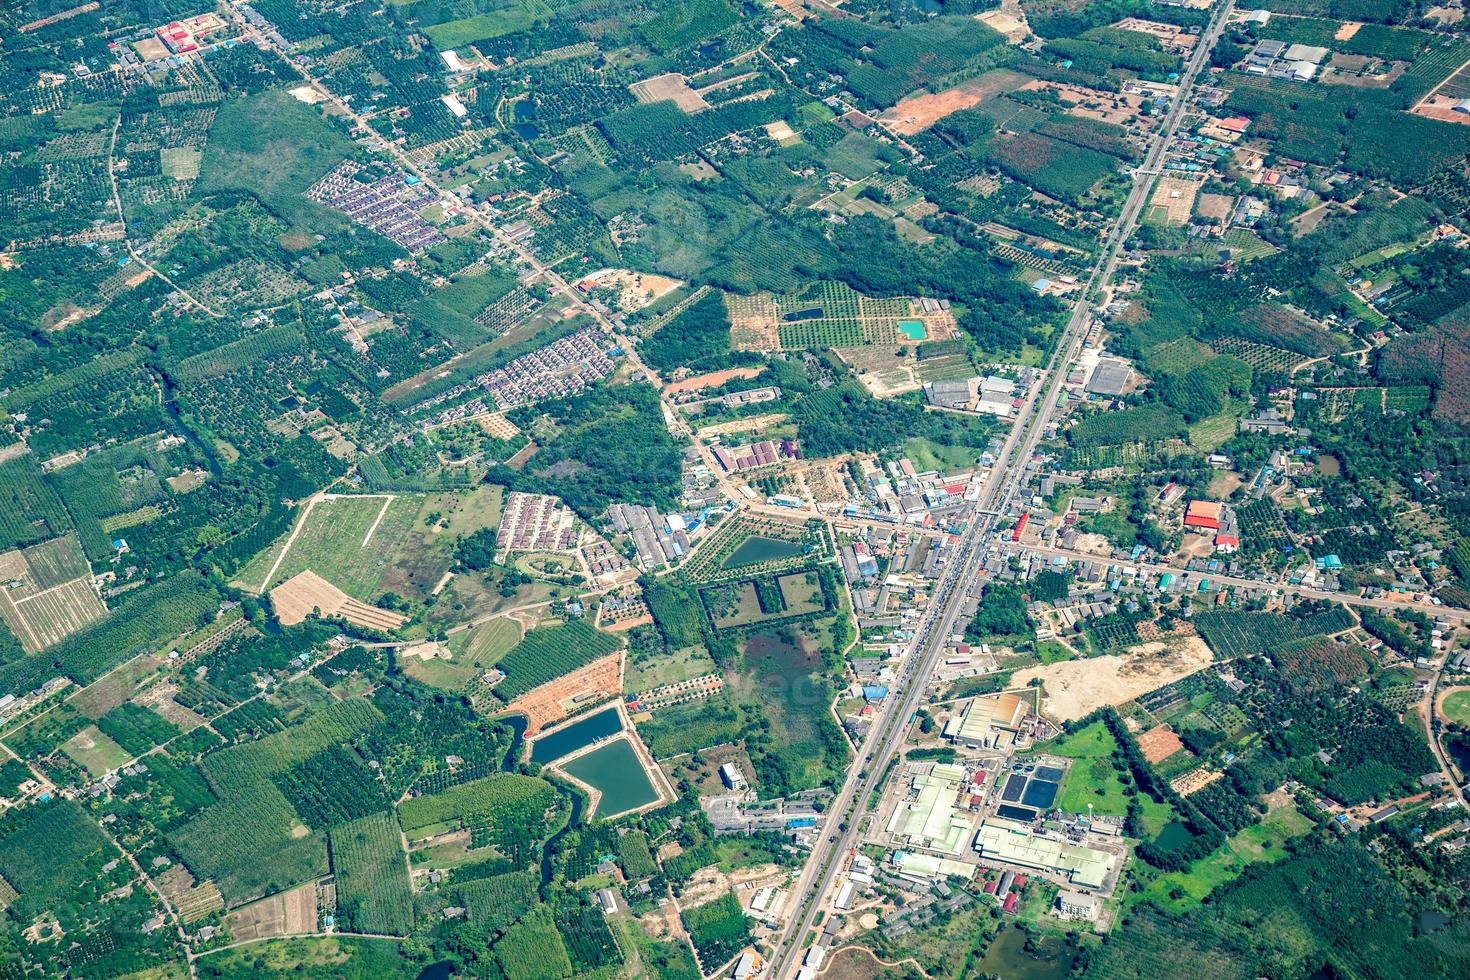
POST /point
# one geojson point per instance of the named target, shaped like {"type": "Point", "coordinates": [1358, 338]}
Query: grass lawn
{"type": "Point", "coordinates": [670, 668]}
{"type": "Point", "coordinates": [1180, 891]}
{"type": "Point", "coordinates": [927, 454]}
{"type": "Point", "coordinates": [274, 147]}
{"type": "Point", "coordinates": [1092, 778]}
{"type": "Point", "coordinates": [94, 751]}
{"type": "Point", "coordinates": [1457, 707]}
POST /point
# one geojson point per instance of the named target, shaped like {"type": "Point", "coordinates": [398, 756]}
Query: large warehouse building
{"type": "Point", "coordinates": [1011, 843]}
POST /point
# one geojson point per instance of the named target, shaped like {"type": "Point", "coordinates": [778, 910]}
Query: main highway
{"type": "Point", "coordinates": [1007, 479]}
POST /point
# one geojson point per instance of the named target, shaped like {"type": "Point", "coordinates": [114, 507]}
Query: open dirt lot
{"type": "Point", "coordinates": [1119, 108]}
{"type": "Point", "coordinates": [917, 114]}
{"type": "Point", "coordinates": [554, 700]}
{"type": "Point", "coordinates": [296, 598]}
{"type": "Point", "coordinates": [712, 380]}
{"type": "Point", "coordinates": [671, 86]}
{"type": "Point", "coordinates": [1075, 688]}
{"type": "Point", "coordinates": [1173, 200]}
{"type": "Point", "coordinates": [1158, 743]}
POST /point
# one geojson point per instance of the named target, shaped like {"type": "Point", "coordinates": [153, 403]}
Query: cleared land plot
{"type": "Point", "coordinates": [916, 114]}
{"type": "Point", "coordinates": [285, 914]}
{"type": "Point", "coordinates": [350, 540]}
{"type": "Point", "coordinates": [307, 592]}
{"type": "Point", "coordinates": [1158, 743]}
{"type": "Point", "coordinates": [192, 900]}
{"type": "Point", "coordinates": [95, 752]}
{"type": "Point", "coordinates": [554, 700]}
{"type": "Point", "coordinates": [672, 87]}
{"type": "Point", "coordinates": [1075, 688]}
{"type": "Point", "coordinates": [1173, 200]}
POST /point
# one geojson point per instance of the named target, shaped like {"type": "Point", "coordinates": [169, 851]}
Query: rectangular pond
{"type": "Point", "coordinates": [1040, 793]}
{"type": "Point", "coordinates": [756, 549]}
{"type": "Point", "coordinates": [577, 735]}
{"type": "Point", "coordinates": [614, 770]}
{"type": "Point", "coordinates": [912, 329]}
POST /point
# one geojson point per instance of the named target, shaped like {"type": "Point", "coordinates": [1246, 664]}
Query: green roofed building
{"type": "Point", "coordinates": [1086, 867]}
{"type": "Point", "coordinates": [931, 819]}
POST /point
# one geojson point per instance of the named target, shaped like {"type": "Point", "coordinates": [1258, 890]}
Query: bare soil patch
{"type": "Point", "coordinates": [916, 114]}
{"type": "Point", "coordinates": [1075, 688]}
{"type": "Point", "coordinates": [302, 594]}
{"type": "Point", "coordinates": [554, 700]}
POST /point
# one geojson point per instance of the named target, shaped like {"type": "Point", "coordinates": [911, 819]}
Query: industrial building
{"type": "Point", "coordinates": [1110, 377]}
{"type": "Point", "coordinates": [984, 720]}
{"type": "Point", "coordinates": [930, 819]}
{"type": "Point", "coordinates": [1012, 843]}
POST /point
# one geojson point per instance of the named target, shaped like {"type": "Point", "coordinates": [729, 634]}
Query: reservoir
{"type": "Point", "coordinates": [577, 735]}
{"type": "Point", "coordinates": [756, 548]}
{"type": "Point", "coordinates": [614, 770]}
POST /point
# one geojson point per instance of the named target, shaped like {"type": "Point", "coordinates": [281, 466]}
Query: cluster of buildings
{"type": "Point", "coordinates": [388, 205]}
{"type": "Point", "coordinates": [1215, 520]}
{"type": "Point", "coordinates": [661, 539]}
{"type": "Point", "coordinates": [990, 395]}
{"type": "Point", "coordinates": [562, 368]}
{"type": "Point", "coordinates": [535, 522]}
{"type": "Point", "coordinates": [928, 498]}
{"type": "Point", "coordinates": [753, 456]}
{"type": "Point", "coordinates": [1277, 59]}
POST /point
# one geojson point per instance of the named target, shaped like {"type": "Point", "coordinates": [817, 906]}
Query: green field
{"type": "Point", "coordinates": [1093, 780]}
{"type": "Point", "coordinates": [1264, 842]}
{"type": "Point", "coordinates": [342, 956]}
{"type": "Point", "coordinates": [466, 30]}
{"type": "Point", "coordinates": [299, 147]}
{"type": "Point", "coordinates": [343, 541]}
{"type": "Point", "coordinates": [1456, 707]}
{"type": "Point", "coordinates": [472, 652]}
{"type": "Point", "coordinates": [94, 751]}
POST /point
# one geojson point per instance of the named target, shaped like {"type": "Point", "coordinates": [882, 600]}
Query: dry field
{"type": "Point", "coordinates": [1119, 108]}
{"type": "Point", "coordinates": [1173, 200]}
{"type": "Point", "coordinates": [551, 702]}
{"type": "Point", "coordinates": [1158, 743]}
{"type": "Point", "coordinates": [671, 86]}
{"type": "Point", "coordinates": [1075, 688]}
{"type": "Point", "coordinates": [1194, 781]}
{"type": "Point", "coordinates": [296, 598]}
{"type": "Point", "coordinates": [50, 595]}
{"type": "Point", "coordinates": [712, 380]}
{"type": "Point", "coordinates": [193, 901]}
{"type": "Point", "coordinates": [916, 114]}
{"type": "Point", "coordinates": [284, 914]}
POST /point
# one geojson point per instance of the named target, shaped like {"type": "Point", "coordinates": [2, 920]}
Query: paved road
{"type": "Point", "coordinates": [1448, 613]}
{"type": "Point", "coordinates": [847, 813]}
